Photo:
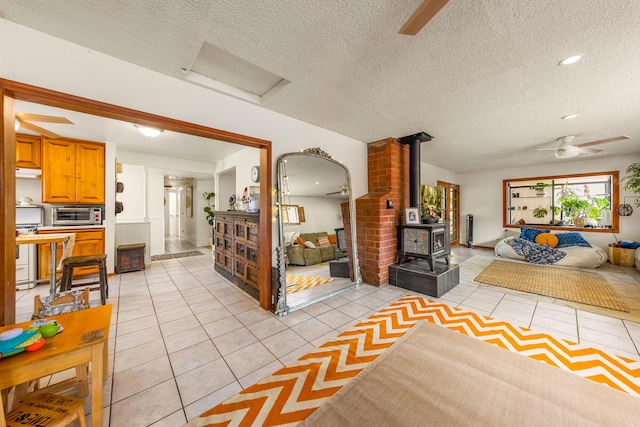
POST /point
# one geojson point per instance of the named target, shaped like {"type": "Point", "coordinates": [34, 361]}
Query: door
{"type": "Point", "coordinates": [58, 171]}
{"type": "Point", "coordinates": [451, 210]}
{"type": "Point", "coordinates": [89, 173]}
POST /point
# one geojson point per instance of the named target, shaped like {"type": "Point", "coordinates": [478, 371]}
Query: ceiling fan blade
{"type": "Point", "coordinates": [588, 150]}
{"type": "Point", "coordinates": [41, 118]}
{"type": "Point", "coordinates": [603, 141]}
{"type": "Point", "coordinates": [423, 14]}
{"type": "Point", "coordinates": [335, 192]}
{"type": "Point", "coordinates": [38, 129]}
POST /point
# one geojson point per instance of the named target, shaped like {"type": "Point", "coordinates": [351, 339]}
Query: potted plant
{"type": "Point", "coordinates": [431, 199]}
{"type": "Point", "coordinates": [539, 188]}
{"type": "Point", "coordinates": [208, 209]}
{"type": "Point", "coordinates": [540, 212]}
{"type": "Point", "coordinates": [632, 181]}
{"type": "Point", "coordinates": [574, 209]}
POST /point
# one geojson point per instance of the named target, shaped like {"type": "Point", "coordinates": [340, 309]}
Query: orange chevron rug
{"type": "Point", "coordinates": [293, 392]}
{"type": "Point", "coordinates": [300, 283]}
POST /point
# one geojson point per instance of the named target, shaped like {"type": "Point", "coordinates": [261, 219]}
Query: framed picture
{"type": "Point", "coordinates": [412, 216]}
{"type": "Point", "coordinates": [189, 201]}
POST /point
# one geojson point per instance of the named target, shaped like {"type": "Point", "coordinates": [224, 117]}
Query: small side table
{"type": "Point", "coordinates": [622, 256]}
{"type": "Point", "coordinates": [130, 258]}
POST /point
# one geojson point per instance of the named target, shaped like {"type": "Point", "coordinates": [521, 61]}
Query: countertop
{"type": "Point", "coordinates": [69, 227]}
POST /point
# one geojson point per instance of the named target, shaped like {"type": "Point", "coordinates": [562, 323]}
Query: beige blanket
{"type": "Point", "coordinates": [435, 376]}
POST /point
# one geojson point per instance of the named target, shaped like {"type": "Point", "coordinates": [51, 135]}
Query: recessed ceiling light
{"type": "Point", "coordinates": [570, 60]}
{"type": "Point", "coordinates": [148, 131]}
{"type": "Point", "coordinates": [317, 182]}
{"type": "Point", "coordinates": [569, 116]}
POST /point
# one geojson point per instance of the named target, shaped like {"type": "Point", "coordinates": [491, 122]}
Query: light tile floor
{"type": "Point", "coordinates": [184, 339]}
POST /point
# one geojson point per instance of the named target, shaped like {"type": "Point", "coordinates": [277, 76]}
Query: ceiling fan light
{"type": "Point", "coordinates": [565, 153]}
{"type": "Point", "coordinates": [148, 131]}
{"type": "Point", "coordinates": [570, 60]}
{"type": "Point", "coordinates": [16, 125]}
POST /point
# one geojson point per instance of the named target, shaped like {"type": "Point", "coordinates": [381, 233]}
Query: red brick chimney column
{"type": "Point", "coordinates": [388, 171]}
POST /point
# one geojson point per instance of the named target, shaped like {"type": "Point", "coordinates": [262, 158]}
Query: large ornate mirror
{"type": "Point", "coordinates": [317, 256]}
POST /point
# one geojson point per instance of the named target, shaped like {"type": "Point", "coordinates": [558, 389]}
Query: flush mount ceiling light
{"type": "Point", "coordinates": [148, 131]}
{"type": "Point", "coordinates": [569, 116]}
{"type": "Point", "coordinates": [570, 60]}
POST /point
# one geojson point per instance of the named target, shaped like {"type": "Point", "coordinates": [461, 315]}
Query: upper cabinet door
{"type": "Point", "coordinates": [72, 172]}
{"type": "Point", "coordinates": [28, 151]}
{"type": "Point", "coordinates": [58, 171]}
{"type": "Point", "coordinates": [90, 173]}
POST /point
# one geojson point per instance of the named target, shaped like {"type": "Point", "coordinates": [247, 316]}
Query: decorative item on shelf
{"type": "Point", "coordinates": [119, 207]}
{"type": "Point", "coordinates": [245, 199]}
{"type": "Point", "coordinates": [232, 203]}
{"type": "Point", "coordinates": [211, 216]}
{"type": "Point", "coordinates": [539, 188]}
{"type": "Point", "coordinates": [119, 187]}
{"type": "Point", "coordinates": [524, 208]}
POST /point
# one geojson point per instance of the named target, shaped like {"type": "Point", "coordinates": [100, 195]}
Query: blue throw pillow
{"type": "Point", "coordinates": [530, 234]}
{"type": "Point", "coordinates": [571, 239]}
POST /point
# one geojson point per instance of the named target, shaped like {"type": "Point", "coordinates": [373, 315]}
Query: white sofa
{"type": "Point", "coordinates": [577, 256]}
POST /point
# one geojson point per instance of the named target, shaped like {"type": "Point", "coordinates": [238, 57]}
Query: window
{"type": "Point", "coordinates": [581, 201]}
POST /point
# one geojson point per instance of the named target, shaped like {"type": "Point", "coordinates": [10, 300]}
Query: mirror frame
{"type": "Point", "coordinates": [282, 308]}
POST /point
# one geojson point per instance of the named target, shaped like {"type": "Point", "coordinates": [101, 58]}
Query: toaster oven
{"type": "Point", "coordinates": [76, 216]}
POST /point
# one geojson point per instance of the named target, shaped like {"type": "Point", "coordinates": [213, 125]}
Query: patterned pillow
{"type": "Point", "coordinates": [530, 234]}
{"type": "Point", "coordinates": [323, 241]}
{"type": "Point", "coordinates": [547, 239]}
{"type": "Point", "coordinates": [571, 239]}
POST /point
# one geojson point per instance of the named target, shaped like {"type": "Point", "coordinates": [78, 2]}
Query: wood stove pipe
{"type": "Point", "coordinates": [414, 142]}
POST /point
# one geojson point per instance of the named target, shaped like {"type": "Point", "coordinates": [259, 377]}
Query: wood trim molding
{"type": "Point", "coordinates": [11, 90]}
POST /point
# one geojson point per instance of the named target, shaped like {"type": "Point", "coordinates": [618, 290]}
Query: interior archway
{"type": "Point", "coordinates": [11, 91]}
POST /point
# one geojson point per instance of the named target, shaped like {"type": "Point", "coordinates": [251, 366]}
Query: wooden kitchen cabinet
{"type": "Point", "coordinates": [89, 241]}
{"type": "Point", "coordinates": [28, 151]}
{"type": "Point", "coordinates": [73, 171]}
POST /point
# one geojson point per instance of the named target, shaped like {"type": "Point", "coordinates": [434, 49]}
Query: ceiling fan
{"type": "Point", "coordinates": [344, 191]}
{"type": "Point", "coordinates": [423, 14]}
{"type": "Point", "coordinates": [568, 149]}
{"type": "Point", "coordinates": [23, 120]}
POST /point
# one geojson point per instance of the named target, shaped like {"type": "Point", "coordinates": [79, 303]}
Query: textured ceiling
{"type": "Point", "coordinates": [481, 77]}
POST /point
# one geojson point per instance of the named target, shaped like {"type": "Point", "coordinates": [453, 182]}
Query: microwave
{"type": "Point", "coordinates": [76, 216]}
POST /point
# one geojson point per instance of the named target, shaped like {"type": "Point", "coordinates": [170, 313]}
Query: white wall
{"type": "Point", "coordinates": [321, 214]}
{"type": "Point", "coordinates": [431, 174]}
{"type": "Point", "coordinates": [80, 71]}
{"type": "Point", "coordinates": [481, 195]}
{"type": "Point", "coordinates": [134, 194]}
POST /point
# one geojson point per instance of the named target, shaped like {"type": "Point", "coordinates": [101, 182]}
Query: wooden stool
{"type": "Point", "coordinates": [99, 260]}
{"type": "Point", "coordinates": [47, 409]}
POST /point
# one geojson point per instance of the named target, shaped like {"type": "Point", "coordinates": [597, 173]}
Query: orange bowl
{"type": "Point", "coordinates": [36, 345]}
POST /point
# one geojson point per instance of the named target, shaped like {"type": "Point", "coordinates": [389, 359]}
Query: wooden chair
{"type": "Point", "coordinates": [72, 262]}
{"type": "Point", "coordinates": [76, 300]}
{"type": "Point", "coordinates": [47, 409]}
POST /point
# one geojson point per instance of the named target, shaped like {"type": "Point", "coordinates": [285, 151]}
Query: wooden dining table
{"type": "Point", "coordinates": [53, 239]}
{"type": "Point", "coordinates": [84, 339]}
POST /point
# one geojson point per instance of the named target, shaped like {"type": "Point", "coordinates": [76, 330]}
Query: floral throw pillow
{"type": "Point", "coordinates": [323, 241]}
